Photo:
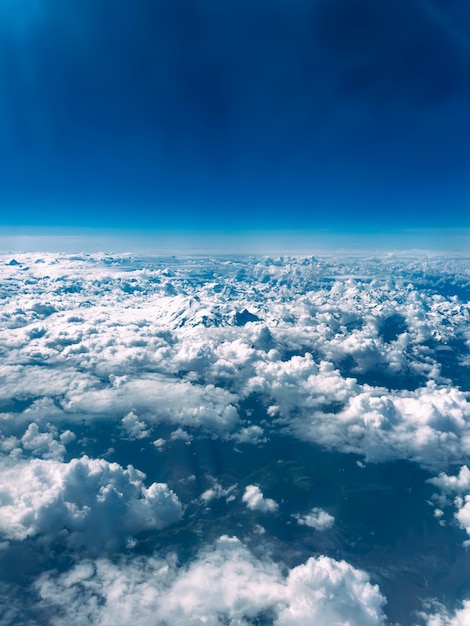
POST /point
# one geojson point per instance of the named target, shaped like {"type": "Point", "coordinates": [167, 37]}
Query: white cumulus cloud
{"type": "Point", "coordinates": [255, 500]}
{"type": "Point", "coordinates": [88, 503]}
{"type": "Point", "coordinates": [438, 615]}
{"type": "Point", "coordinates": [226, 584]}
{"type": "Point", "coordinates": [317, 518]}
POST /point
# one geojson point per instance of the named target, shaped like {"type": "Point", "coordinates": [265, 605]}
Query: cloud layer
{"type": "Point", "coordinates": [208, 374]}
{"type": "Point", "coordinates": [372, 366]}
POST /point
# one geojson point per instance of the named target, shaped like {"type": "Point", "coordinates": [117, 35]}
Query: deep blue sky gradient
{"type": "Point", "coordinates": [350, 114]}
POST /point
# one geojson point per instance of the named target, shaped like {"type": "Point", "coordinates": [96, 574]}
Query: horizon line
{"type": "Point", "coordinates": [253, 241]}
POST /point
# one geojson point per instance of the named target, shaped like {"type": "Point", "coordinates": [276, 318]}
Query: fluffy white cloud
{"type": "Point", "coordinates": [325, 592]}
{"type": "Point", "coordinates": [224, 585]}
{"type": "Point", "coordinates": [217, 491]}
{"type": "Point", "coordinates": [134, 427]}
{"type": "Point", "coordinates": [253, 434]}
{"type": "Point", "coordinates": [439, 616]}
{"type": "Point", "coordinates": [454, 492]}
{"type": "Point", "coordinates": [430, 425]}
{"type": "Point", "coordinates": [317, 518]}
{"type": "Point", "coordinates": [44, 441]}
{"type": "Point", "coordinates": [254, 500]}
{"type": "Point", "coordinates": [453, 484]}
{"type": "Point", "coordinates": [88, 503]}
{"type": "Point", "coordinates": [181, 435]}
{"type": "Point", "coordinates": [45, 444]}
{"type": "Point", "coordinates": [161, 399]}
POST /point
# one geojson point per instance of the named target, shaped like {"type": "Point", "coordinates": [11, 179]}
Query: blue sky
{"type": "Point", "coordinates": [346, 115]}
